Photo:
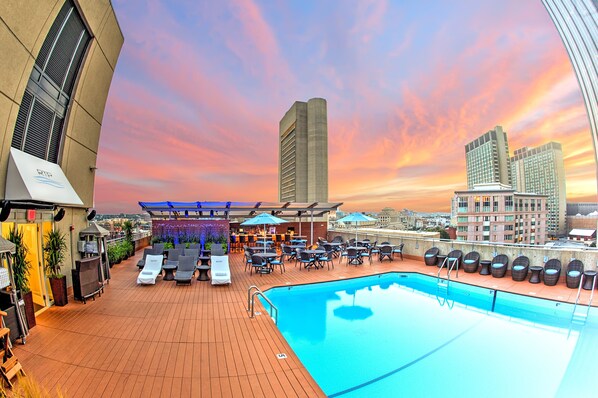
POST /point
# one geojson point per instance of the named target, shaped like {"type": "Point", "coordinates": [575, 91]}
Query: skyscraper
{"type": "Point", "coordinates": [541, 170]}
{"type": "Point", "coordinates": [577, 23]}
{"type": "Point", "coordinates": [487, 159]}
{"type": "Point", "coordinates": [303, 154]}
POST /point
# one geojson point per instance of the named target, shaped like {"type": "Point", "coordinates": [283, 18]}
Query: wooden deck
{"type": "Point", "coordinates": [168, 340]}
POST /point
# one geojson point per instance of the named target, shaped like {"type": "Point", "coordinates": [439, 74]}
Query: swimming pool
{"type": "Point", "coordinates": [398, 334]}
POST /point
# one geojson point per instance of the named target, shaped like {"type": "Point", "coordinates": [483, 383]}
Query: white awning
{"type": "Point", "coordinates": [33, 179]}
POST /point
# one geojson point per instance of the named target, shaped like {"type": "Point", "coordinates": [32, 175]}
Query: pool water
{"type": "Point", "coordinates": [398, 334]}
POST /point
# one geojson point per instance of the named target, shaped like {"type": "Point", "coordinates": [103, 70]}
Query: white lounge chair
{"type": "Point", "coordinates": [151, 270]}
{"type": "Point", "coordinates": [220, 270]}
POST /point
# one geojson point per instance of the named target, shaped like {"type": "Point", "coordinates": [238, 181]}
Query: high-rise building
{"type": "Point", "coordinates": [541, 170]}
{"type": "Point", "coordinates": [487, 159]}
{"type": "Point", "coordinates": [303, 154]}
{"type": "Point", "coordinates": [497, 213]}
{"type": "Point", "coordinates": [577, 23]}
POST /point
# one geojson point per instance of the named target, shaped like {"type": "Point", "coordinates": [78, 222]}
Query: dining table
{"type": "Point", "coordinates": [268, 256]}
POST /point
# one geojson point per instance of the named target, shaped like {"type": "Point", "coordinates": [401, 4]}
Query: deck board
{"type": "Point", "coordinates": [168, 340]}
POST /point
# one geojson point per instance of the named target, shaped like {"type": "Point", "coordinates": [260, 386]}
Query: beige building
{"type": "Point", "coordinates": [303, 153]}
{"type": "Point", "coordinates": [487, 159]}
{"type": "Point", "coordinates": [542, 170]}
{"type": "Point", "coordinates": [58, 58]}
{"type": "Point", "coordinates": [497, 213]}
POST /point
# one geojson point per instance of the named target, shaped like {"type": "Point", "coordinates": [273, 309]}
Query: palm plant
{"type": "Point", "coordinates": [55, 253]}
{"type": "Point", "coordinates": [21, 265]}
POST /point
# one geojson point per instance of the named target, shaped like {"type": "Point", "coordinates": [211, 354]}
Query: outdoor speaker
{"type": "Point", "coordinates": [91, 215]}
{"type": "Point", "coordinates": [60, 215]}
{"type": "Point", "coordinates": [5, 212]}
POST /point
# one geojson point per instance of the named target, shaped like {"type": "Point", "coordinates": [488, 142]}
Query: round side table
{"type": "Point", "coordinates": [589, 279]}
{"type": "Point", "coordinates": [535, 276]}
{"type": "Point", "coordinates": [485, 267]}
{"type": "Point", "coordinates": [203, 273]}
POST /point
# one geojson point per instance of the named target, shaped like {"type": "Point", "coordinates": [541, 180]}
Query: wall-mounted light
{"type": "Point", "coordinates": [5, 212]}
{"type": "Point", "coordinates": [91, 215]}
{"type": "Point", "coordinates": [59, 215]}
{"type": "Point", "coordinates": [92, 168]}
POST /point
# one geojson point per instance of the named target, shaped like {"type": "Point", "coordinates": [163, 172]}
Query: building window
{"type": "Point", "coordinates": [486, 204]}
{"type": "Point", "coordinates": [509, 203]}
{"type": "Point", "coordinates": [462, 219]}
{"type": "Point", "coordinates": [495, 203]}
{"type": "Point", "coordinates": [477, 204]}
{"type": "Point", "coordinates": [39, 125]}
{"type": "Point", "coordinates": [462, 204]}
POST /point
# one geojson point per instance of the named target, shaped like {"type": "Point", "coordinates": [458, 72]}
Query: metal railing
{"type": "Point", "coordinates": [251, 302]}
{"type": "Point", "coordinates": [582, 316]}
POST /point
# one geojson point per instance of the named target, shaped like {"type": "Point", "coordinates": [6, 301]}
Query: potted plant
{"type": "Point", "coordinates": [128, 228]}
{"type": "Point", "coordinates": [55, 252]}
{"type": "Point", "coordinates": [21, 267]}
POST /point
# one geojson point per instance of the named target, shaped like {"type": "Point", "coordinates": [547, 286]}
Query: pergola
{"type": "Point", "coordinates": [236, 210]}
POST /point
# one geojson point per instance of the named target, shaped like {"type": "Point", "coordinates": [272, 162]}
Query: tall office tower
{"type": "Point", "coordinates": [541, 170]}
{"type": "Point", "coordinates": [303, 154]}
{"type": "Point", "coordinates": [577, 23]}
{"type": "Point", "coordinates": [487, 159]}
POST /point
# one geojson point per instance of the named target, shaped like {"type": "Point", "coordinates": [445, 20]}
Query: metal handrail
{"type": "Point", "coordinates": [579, 294]}
{"type": "Point", "coordinates": [251, 302]}
{"type": "Point", "coordinates": [441, 267]}
{"type": "Point", "coordinates": [456, 262]}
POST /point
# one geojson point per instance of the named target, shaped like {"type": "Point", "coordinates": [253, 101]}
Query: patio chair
{"type": "Point", "coordinates": [260, 265]}
{"type": "Point", "coordinates": [353, 256]}
{"type": "Point", "coordinates": [366, 254]}
{"type": "Point", "coordinates": [574, 272]}
{"type": "Point", "coordinates": [220, 270]}
{"type": "Point", "coordinates": [374, 249]}
{"type": "Point", "coordinates": [499, 266]}
{"type": "Point", "coordinates": [431, 256]}
{"type": "Point", "coordinates": [278, 261]}
{"type": "Point", "coordinates": [186, 270]}
{"type": "Point", "coordinates": [327, 258]}
{"type": "Point", "coordinates": [471, 262]}
{"type": "Point", "coordinates": [248, 255]}
{"type": "Point", "coordinates": [454, 259]}
{"type": "Point", "coordinates": [552, 272]}
{"type": "Point", "coordinates": [151, 270]}
{"type": "Point", "coordinates": [251, 240]}
{"type": "Point", "coordinates": [520, 268]}
{"type": "Point", "coordinates": [306, 260]}
{"type": "Point", "coordinates": [385, 252]}
{"type": "Point", "coordinates": [141, 262]}
{"type": "Point", "coordinates": [338, 239]}
{"type": "Point", "coordinates": [158, 248]}
{"type": "Point", "coordinates": [242, 240]}
{"type": "Point", "coordinates": [399, 249]}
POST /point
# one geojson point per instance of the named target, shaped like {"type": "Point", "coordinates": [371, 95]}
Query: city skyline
{"type": "Point", "coordinates": [198, 92]}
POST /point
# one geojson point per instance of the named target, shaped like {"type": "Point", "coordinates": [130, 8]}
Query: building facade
{"type": "Point", "coordinates": [487, 159]}
{"type": "Point", "coordinates": [577, 24]}
{"type": "Point", "coordinates": [542, 170]}
{"type": "Point", "coordinates": [58, 58]}
{"type": "Point", "coordinates": [583, 208]}
{"type": "Point", "coordinates": [497, 213]}
{"type": "Point", "coordinates": [303, 153]}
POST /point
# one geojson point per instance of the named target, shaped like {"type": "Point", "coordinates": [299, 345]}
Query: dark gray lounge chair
{"type": "Point", "coordinates": [499, 266]}
{"type": "Point", "coordinates": [471, 262]}
{"type": "Point", "coordinates": [185, 270]}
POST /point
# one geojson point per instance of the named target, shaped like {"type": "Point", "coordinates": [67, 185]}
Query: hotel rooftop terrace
{"type": "Point", "coordinates": [197, 340]}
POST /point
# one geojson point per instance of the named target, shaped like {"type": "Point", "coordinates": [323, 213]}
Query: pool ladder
{"type": "Point", "coordinates": [255, 291]}
{"type": "Point", "coordinates": [449, 266]}
{"type": "Point", "coordinates": [581, 316]}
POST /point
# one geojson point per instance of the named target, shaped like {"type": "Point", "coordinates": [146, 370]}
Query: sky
{"type": "Point", "coordinates": [200, 87]}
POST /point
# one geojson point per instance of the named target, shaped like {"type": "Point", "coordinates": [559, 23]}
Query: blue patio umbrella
{"type": "Point", "coordinates": [356, 218]}
{"type": "Point", "coordinates": [264, 219]}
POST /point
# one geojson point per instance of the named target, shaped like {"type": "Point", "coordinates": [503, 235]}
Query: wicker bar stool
{"type": "Point", "coordinates": [520, 268]}
{"type": "Point", "coordinates": [499, 266]}
{"type": "Point", "coordinates": [471, 261]}
{"type": "Point", "coordinates": [574, 272]}
{"type": "Point", "coordinates": [552, 272]}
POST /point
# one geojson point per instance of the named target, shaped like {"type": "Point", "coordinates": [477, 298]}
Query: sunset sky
{"type": "Point", "coordinates": [200, 87]}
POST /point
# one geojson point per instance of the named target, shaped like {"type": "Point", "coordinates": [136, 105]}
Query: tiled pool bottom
{"type": "Point", "coordinates": [399, 335]}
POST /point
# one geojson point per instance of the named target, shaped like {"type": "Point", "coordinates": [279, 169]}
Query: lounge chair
{"type": "Point", "coordinates": [552, 272]}
{"type": "Point", "coordinates": [186, 270]}
{"type": "Point", "coordinates": [471, 262]}
{"type": "Point", "coordinates": [146, 252]}
{"type": "Point", "coordinates": [173, 257]}
{"type": "Point", "coordinates": [499, 266]}
{"type": "Point", "coordinates": [192, 253]}
{"type": "Point", "coordinates": [385, 252]}
{"type": "Point", "coordinates": [217, 250]}
{"type": "Point", "coordinates": [220, 270]}
{"type": "Point", "coordinates": [520, 268]}
{"type": "Point", "coordinates": [151, 270]}
{"type": "Point", "coordinates": [431, 256]}
{"type": "Point", "coordinates": [574, 272]}
{"type": "Point", "coordinates": [158, 248]}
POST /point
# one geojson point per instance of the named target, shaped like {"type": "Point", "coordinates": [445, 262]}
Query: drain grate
{"type": "Point", "coordinates": [282, 355]}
